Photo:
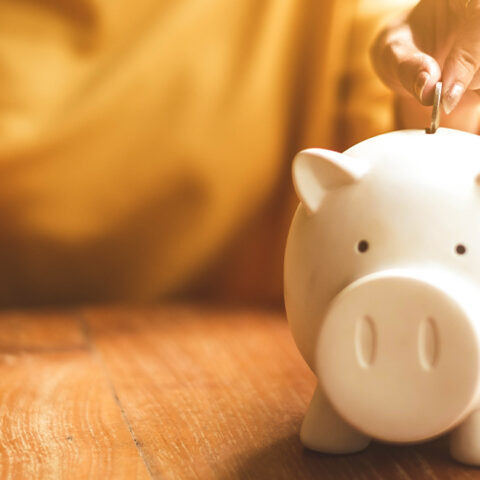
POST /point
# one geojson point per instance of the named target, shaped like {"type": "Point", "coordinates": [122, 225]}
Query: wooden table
{"type": "Point", "coordinates": [171, 393]}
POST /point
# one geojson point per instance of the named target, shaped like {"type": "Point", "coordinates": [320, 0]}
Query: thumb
{"type": "Point", "coordinates": [462, 63]}
{"type": "Point", "coordinates": [402, 66]}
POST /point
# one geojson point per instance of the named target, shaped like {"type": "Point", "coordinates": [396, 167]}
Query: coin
{"type": "Point", "coordinates": [436, 109]}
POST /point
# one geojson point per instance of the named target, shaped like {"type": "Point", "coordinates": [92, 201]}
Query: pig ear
{"type": "Point", "coordinates": [315, 171]}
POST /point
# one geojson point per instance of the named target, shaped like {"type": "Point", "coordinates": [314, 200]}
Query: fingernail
{"type": "Point", "coordinates": [452, 96]}
{"type": "Point", "coordinates": [420, 84]}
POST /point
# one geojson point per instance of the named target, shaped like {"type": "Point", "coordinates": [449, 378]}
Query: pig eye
{"type": "Point", "coordinates": [460, 249]}
{"type": "Point", "coordinates": [362, 246]}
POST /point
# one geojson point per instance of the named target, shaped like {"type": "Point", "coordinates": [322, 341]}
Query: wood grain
{"type": "Point", "coordinates": [171, 393]}
{"type": "Point", "coordinates": [216, 394]}
{"type": "Point", "coordinates": [58, 414]}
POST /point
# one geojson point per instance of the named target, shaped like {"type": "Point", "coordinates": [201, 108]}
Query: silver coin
{"type": "Point", "coordinates": [436, 108]}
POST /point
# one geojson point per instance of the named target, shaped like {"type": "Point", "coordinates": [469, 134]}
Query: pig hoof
{"type": "Point", "coordinates": [324, 431]}
{"type": "Point", "coordinates": [465, 441]}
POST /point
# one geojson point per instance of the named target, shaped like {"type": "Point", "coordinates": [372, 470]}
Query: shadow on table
{"type": "Point", "coordinates": [288, 459]}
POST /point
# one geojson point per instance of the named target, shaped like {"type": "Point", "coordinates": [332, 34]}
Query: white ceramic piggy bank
{"type": "Point", "coordinates": [382, 290]}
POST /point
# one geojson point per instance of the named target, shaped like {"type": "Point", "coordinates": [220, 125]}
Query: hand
{"type": "Point", "coordinates": [438, 39]}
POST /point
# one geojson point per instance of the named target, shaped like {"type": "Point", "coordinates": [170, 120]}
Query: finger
{"type": "Point", "coordinates": [463, 61]}
{"type": "Point", "coordinates": [418, 73]}
{"type": "Point", "coordinates": [403, 67]}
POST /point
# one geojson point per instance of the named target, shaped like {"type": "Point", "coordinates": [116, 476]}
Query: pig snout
{"type": "Point", "coordinates": [399, 354]}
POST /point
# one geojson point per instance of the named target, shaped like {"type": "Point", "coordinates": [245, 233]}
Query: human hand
{"type": "Point", "coordinates": [438, 39]}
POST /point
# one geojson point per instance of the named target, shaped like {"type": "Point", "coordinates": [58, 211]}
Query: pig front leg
{"type": "Point", "coordinates": [465, 440]}
{"type": "Point", "coordinates": [324, 431]}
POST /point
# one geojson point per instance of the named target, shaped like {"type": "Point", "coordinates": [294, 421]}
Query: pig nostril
{"type": "Point", "coordinates": [428, 343]}
{"type": "Point", "coordinates": [365, 341]}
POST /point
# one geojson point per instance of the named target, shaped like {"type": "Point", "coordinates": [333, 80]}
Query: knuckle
{"type": "Point", "coordinates": [468, 61]}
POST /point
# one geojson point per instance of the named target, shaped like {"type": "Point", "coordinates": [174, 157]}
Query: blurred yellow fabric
{"type": "Point", "coordinates": [145, 146]}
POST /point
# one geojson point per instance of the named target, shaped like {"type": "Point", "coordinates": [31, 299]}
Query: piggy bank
{"type": "Point", "coordinates": [382, 290]}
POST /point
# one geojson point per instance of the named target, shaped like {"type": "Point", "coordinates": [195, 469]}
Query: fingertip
{"type": "Point", "coordinates": [420, 85]}
{"type": "Point", "coordinates": [419, 75]}
{"type": "Point", "coordinates": [452, 97]}
{"type": "Point", "coordinates": [429, 90]}
{"type": "Point", "coordinates": [433, 68]}
{"type": "Point", "coordinates": [459, 69]}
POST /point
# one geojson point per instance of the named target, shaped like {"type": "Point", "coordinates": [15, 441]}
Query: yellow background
{"type": "Point", "coordinates": [145, 146]}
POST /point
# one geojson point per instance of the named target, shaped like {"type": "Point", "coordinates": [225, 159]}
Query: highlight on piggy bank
{"type": "Point", "coordinates": [382, 289]}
